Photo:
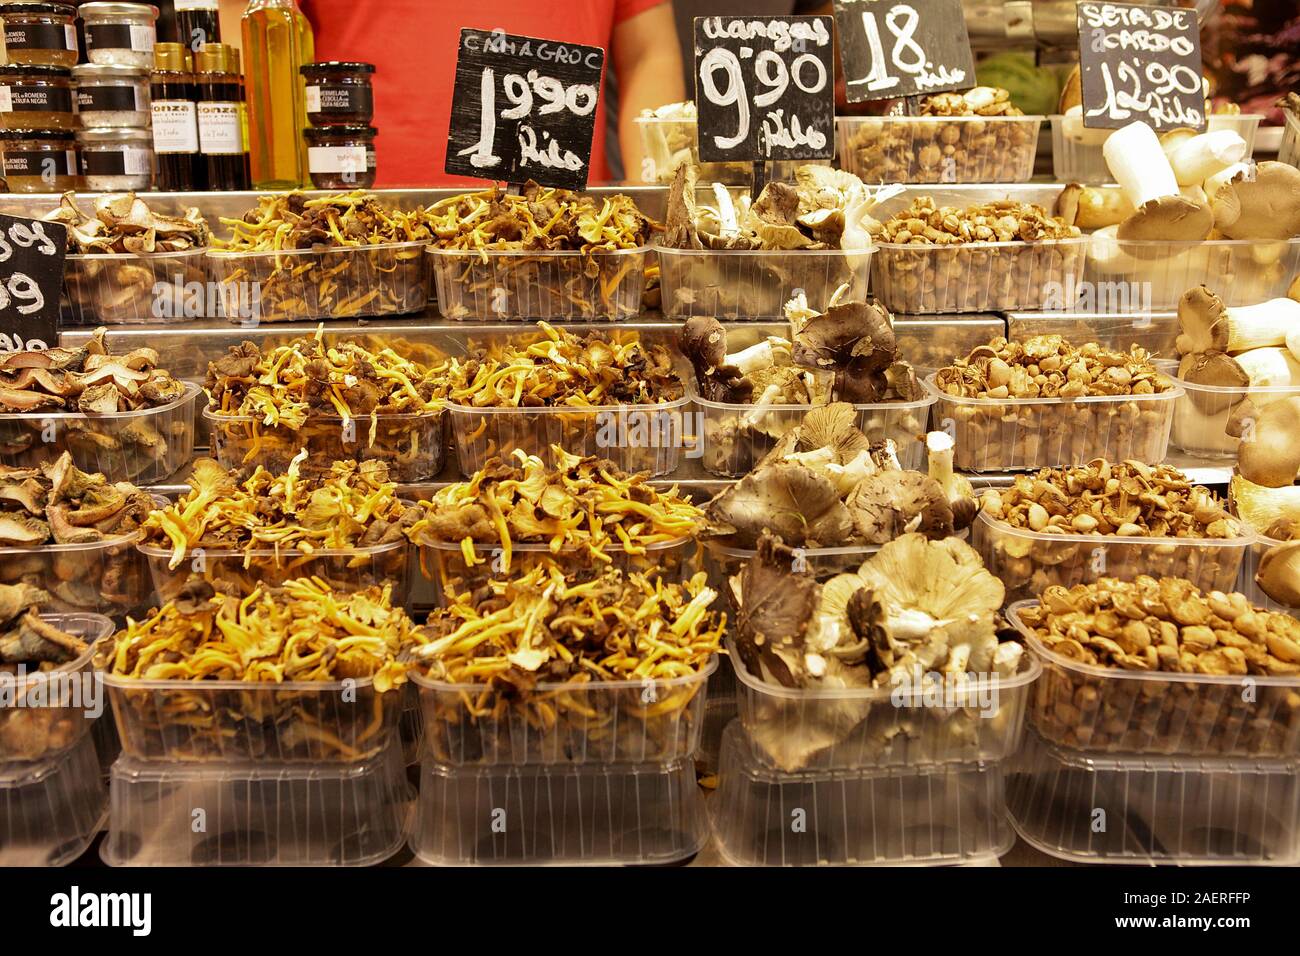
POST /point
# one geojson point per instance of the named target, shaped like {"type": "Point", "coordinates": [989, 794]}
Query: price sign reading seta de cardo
{"type": "Point", "coordinates": [32, 258]}
{"type": "Point", "coordinates": [890, 49]}
{"type": "Point", "coordinates": [1140, 63]}
{"type": "Point", "coordinates": [765, 88]}
{"type": "Point", "coordinates": [524, 108]}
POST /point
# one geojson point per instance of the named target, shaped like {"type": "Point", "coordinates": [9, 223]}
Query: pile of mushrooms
{"type": "Point", "coordinates": [26, 640]}
{"type": "Point", "coordinates": [125, 223]}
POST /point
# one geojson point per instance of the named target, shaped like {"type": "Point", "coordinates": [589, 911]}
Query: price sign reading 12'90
{"type": "Point", "coordinates": [895, 49]}
{"type": "Point", "coordinates": [524, 109]}
{"type": "Point", "coordinates": [764, 88]}
{"type": "Point", "coordinates": [1140, 63]}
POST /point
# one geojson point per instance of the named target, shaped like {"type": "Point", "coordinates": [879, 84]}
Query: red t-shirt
{"type": "Point", "coordinates": [413, 44]}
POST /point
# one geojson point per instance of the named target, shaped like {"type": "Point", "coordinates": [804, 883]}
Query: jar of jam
{"type": "Point", "coordinates": [39, 160]}
{"type": "Point", "coordinates": [116, 160]}
{"type": "Point", "coordinates": [36, 97]}
{"type": "Point", "coordinates": [338, 93]}
{"type": "Point", "coordinates": [120, 34]}
{"type": "Point", "coordinates": [111, 96]}
{"type": "Point", "coordinates": [341, 157]}
{"type": "Point", "coordinates": [40, 34]}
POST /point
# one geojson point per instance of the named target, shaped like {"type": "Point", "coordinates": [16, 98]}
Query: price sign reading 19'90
{"type": "Point", "coordinates": [764, 88]}
{"type": "Point", "coordinates": [1140, 63]}
{"type": "Point", "coordinates": [894, 49]}
{"type": "Point", "coordinates": [524, 109]}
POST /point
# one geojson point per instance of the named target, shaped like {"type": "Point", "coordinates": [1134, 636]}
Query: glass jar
{"type": "Point", "coordinates": [36, 97]}
{"type": "Point", "coordinates": [338, 93]}
{"type": "Point", "coordinates": [116, 160]}
{"type": "Point", "coordinates": [111, 96]}
{"type": "Point", "coordinates": [39, 160]}
{"type": "Point", "coordinates": [120, 34]}
{"type": "Point", "coordinates": [40, 34]}
{"type": "Point", "coordinates": [341, 157]}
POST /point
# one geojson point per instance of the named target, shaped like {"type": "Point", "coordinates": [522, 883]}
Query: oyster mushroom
{"type": "Point", "coordinates": [1278, 573]}
{"type": "Point", "coordinates": [1144, 173]}
{"type": "Point", "coordinates": [786, 499]}
{"type": "Point", "coordinates": [889, 504]}
{"type": "Point", "coordinates": [1206, 323]}
{"type": "Point", "coordinates": [1265, 206]}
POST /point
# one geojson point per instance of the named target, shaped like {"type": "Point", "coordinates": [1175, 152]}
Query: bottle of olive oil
{"type": "Point", "coordinates": [277, 41]}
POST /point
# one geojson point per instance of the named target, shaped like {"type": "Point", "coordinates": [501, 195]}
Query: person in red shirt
{"type": "Point", "coordinates": [413, 43]}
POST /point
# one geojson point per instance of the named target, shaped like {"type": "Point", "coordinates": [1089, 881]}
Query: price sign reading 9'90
{"type": "Point", "coordinates": [524, 109]}
{"type": "Point", "coordinates": [764, 89]}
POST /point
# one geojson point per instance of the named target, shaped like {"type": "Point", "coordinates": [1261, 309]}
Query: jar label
{"type": "Point", "coordinates": [116, 161]}
{"type": "Point", "coordinates": [40, 36]}
{"type": "Point", "coordinates": [333, 99]}
{"type": "Point", "coordinates": [336, 159]}
{"type": "Point", "coordinates": [219, 130]}
{"type": "Point", "coordinates": [175, 129]}
{"type": "Point", "coordinates": [120, 36]}
{"type": "Point", "coordinates": [43, 99]}
{"type": "Point", "coordinates": [95, 99]}
{"type": "Point", "coordinates": [45, 163]}
{"type": "Point", "coordinates": [183, 6]}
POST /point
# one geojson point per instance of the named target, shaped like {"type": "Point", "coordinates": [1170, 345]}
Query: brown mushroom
{"type": "Point", "coordinates": [1266, 206]}
{"type": "Point", "coordinates": [1269, 453]}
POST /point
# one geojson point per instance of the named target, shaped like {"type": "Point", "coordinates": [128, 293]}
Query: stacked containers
{"type": "Point", "coordinates": [36, 139]}
{"type": "Point", "coordinates": [112, 96]}
{"type": "Point", "coordinates": [340, 140]}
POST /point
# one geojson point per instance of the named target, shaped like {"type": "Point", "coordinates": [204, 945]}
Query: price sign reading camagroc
{"type": "Point", "coordinates": [891, 49]}
{"type": "Point", "coordinates": [765, 89]}
{"type": "Point", "coordinates": [1140, 63]}
{"type": "Point", "coordinates": [524, 109]}
{"type": "Point", "coordinates": [31, 281]}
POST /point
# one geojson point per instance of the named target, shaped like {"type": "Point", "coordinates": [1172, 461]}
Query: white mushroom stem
{"type": "Point", "coordinates": [1195, 193]}
{"type": "Point", "coordinates": [1139, 165]}
{"type": "Point", "coordinates": [1270, 366]}
{"type": "Point", "coordinates": [1217, 181]}
{"type": "Point", "coordinates": [939, 446]}
{"type": "Point", "coordinates": [1196, 158]}
{"type": "Point", "coordinates": [1105, 252]}
{"type": "Point", "coordinates": [1073, 129]}
{"type": "Point", "coordinates": [1265, 323]}
{"type": "Point", "coordinates": [755, 414]}
{"type": "Point", "coordinates": [728, 221]}
{"type": "Point", "coordinates": [759, 356]}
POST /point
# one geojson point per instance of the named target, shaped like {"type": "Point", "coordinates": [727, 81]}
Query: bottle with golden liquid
{"type": "Point", "coordinates": [277, 41]}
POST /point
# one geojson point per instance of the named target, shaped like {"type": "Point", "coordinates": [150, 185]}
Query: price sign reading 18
{"type": "Point", "coordinates": [524, 109]}
{"type": "Point", "coordinates": [894, 49]}
{"type": "Point", "coordinates": [764, 88]}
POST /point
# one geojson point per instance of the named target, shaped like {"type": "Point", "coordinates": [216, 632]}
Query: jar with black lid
{"type": "Point", "coordinates": [36, 97]}
{"type": "Point", "coordinates": [339, 93]}
{"type": "Point", "coordinates": [39, 160]}
{"type": "Point", "coordinates": [341, 157]}
{"type": "Point", "coordinates": [40, 34]}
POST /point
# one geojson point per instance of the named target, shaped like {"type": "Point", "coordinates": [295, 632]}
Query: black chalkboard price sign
{"type": "Point", "coordinates": [894, 49]}
{"type": "Point", "coordinates": [31, 281]}
{"type": "Point", "coordinates": [524, 108]}
{"type": "Point", "coordinates": [765, 88]}
{"type": "Point", "coordinates": [1140, 63]}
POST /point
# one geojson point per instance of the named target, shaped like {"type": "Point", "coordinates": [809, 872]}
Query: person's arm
{"type": "Point", "coordinates": [648, 62]}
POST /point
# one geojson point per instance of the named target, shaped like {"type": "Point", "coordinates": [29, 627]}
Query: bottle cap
{"type": "Point", "coordinates": [214, 58]}
{"type": "Point", "coordinates": [173, 57]}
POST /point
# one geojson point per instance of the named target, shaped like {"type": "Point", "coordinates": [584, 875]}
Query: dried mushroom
{"type": "Point", "coordinates": [125, 223]}
{"type": "Point", "coordinates": [28, 642]}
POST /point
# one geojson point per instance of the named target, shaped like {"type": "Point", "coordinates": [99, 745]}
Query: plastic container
{"type": "Point", "coordinates": [103, 577]}
{"type": "Point", "coordinates": [411, 443]}
{"type": "Point", "coordinates": [590, 814]}
{"type": "Point", "coordinates": [726, 561]}
{"type": "Point", "coordinates": [46, 713]}
{"type": "Point", "coordinates": [1289, 151]}
{"type": "Point", "coordinates": [130, 289]}
{"type": "Point", "coordinates": [735, 439]}
{"type": "Point", "coordinates": [1245, 271]}
{"type": "Point", "coordinates": [143, 447]}
{"type": "Point", "coordinates": [1076, 162]}
{"type": "Point", "coordinates": [1090, 808]}
{"type": "Point", "coordinates": [1202, 415]}
{"type": "Point", "coordinates": [738, 285]}
{"type": "Point", "coordinates": [36, 96]}
{"type": "Point", "coordinates": [1155, 332]}
{"type": "Point", "coordinates": [230, 815]}
{"type": "Point", "coordinates": [39, 34]}
{"type": "Point", "coordinates": [294, 722]}
{"type": "Point", "coordinates": [636, 438]}
{"type": "Point", "coordinates": [938, 149]}
{"type": "Point", "coordinates": [117, 159]}
{"type": "Point", "coordinates": [120, 34]}
{"type": "Point", "coordinates": [306, 284]}
{"type": "Point", "coordinates": [517, 286]}
{"type": "Point", "coordinates": [944, 814]}
{"type": "Point", "coordinates": [39, 160]}
{"type": "Point", "coordinates": [112, 96]}
{"type": "Point", "coordinates": [977, 276]}
{"type": "Point", "coordinates": [1111, 710]}
{"type": "Point", "coordinates": [1028, 562]}
{"type": "Point", "coordinates": [1024, 434]}
{"type": "Point", "coordinates": [1250, 566]}
{"type": "Point", "coordinates": [795, 729]}
{"type": "Point", "coordinates": [51, 811]}
{"type": "Point", "coordinates": [233, 571]}
{"type": "Point", "coordinates": [578, 722]}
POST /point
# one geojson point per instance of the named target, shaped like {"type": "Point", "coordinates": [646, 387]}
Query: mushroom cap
{"type": "Point", "coordinates": [1265, 207]}
{"type": "Point", "coordinates": [1072, 91]}
{"type": "Point", "coordinates": [1217, 369]}
{"type": "Point", "coordinates": [703, 340]}
{"type": "Point", "coordinates": [1278, 574]}
{"type": "Point", "coordinates": [1172, 218]}
{"type": "Point", "coordinates": [1269, 453]}
{"type": "Point", "coordinates": [849, 331]}
{"type": "Point", "coordinates": [1202, 321]}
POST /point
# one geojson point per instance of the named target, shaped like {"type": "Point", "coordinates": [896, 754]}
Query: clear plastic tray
{"type": "Point", "coordinates": [738, 285]}
{"type": "Point", "coordinates": [938, 149]}
{"type": "Point", "coordinates": [1147, 810]}
{"type": "Point", "coordinates": [229, 815]}
{"type": "Point", "coordinates": [51, 811]}
{"type": "Point", "coordinates": [590, 814]}
{"type": "Point", "coordinates": [1245, 271]}
{"type": "Point", "coordinates": [1025, 434]}
{"type": "Point", "coordinates": [1111, 710]}
{"type": "Point", "coordinates": [1201, 416]}
{"type": "Point", "coordinates": [1289, 150]}
{"type": "Point", "coordinates": [951, 813]}
{"type": "Point", "coordinates": [46, 713]}
{"type": "Point", "coordinates": [143, 447]}
{"type": "Point", "coordinates": [241, 572]}
{"type": "Point", "coordinates": [102, 577]}
{"type": "Point", "coordinates": [725, 455]}
{"type": "Point", "coordinates": [636, 438]}
{"type": "Point", "coordinates": [295, 722]}
{"type": "Point", "coordinates": [499, 284]}
{"type": "Point", "coordinates": [412, 444]}
{"type": "Point", "coordinates": [308, 284]}
{"type": "Point", "coordinates": [126, 289]}
{"type": "Point", "coordinates": [796, 729]}
{"type": "Point", "coordinates": [1155, 332]}
{"type": "Point", "coordinates": [1249, 567]}
{"type": "Point", "coordinates": [579, 722]}
{"type": "Point", "coordinates": [1076, 162]}
{"type": "Point", "coordinates": [976, 276]}
{"type": "Point", "coordinates": [1028, 562]}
